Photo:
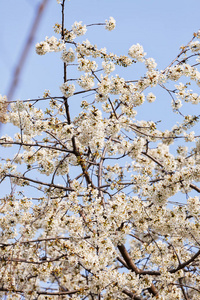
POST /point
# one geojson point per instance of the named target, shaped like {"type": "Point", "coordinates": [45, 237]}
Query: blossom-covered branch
{"type": "Point", "coordinates": [97, 203]}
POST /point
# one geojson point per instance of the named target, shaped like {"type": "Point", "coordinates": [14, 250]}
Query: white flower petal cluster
{"type": "Point", "coordinates": [68, 56]}
{"type": "Point", "coordinates": [186, 95]}
{"type": "Point", "coordinates": [138, 98]}
{"type": "Point", "coordinates": [91, 129]}
{"type": "Point", "coordinates": [86, 81]}
{"type": "Point", "coordinates": [189, 137]}
{"type": "Point", "coordinates": [103, 89]}
{"type": "Point", "coordinates": [108, 67]}
{"type": "Point", "coordinates": [175, 72]}
{"type": "Point", "coordinates": [69, 36]}
{"type": "Point", "coordinates": [110, 24]}
{"type": "Point", "coordinates": [117, 85]}
{"type": "Point", "coordinates": [150, 63]}
{"type": "Point", "coordinates": [57, 28]}
{"type": "Point", "coordinates": [3, 109]}
{"type": "Point", "coordinates": [42, 48]}
{"type": "Point", "coordinates": [49, 45]}
{"type": "Point", "coordinates": [137, 52]}
{"type": "Point", "coordinates": [79, 29]}
{"type": "Point", "coordinates": [85, 48]}
{"type": "Point", "coordinates": [151, 97]}
{"type": "Point", "coordinates": [8, 141]}
{"type": "Point", "coordinates": [195, 46]}
{"type": "Point", "coordinates": [67, 89]}
{"type": "Point", "coordinates": [153, 78]}
{"type": "Point", "coordinates": [87, 65]}
{"type": "Point", "coordinates": [193, 204]}
{"type": "Point", "coordinates": [176, 104]}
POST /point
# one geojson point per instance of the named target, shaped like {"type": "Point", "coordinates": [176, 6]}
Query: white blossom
{"type": "Point", "coordinates": [137, 52]}
{"type": "Point", "coordinates": [87, 65]}
{"type": "Point", "coordinates": [151, 97]}
{"type": "Point", "coordinates": [68, 55]}
{"type": "Point", "coordinates": [86, 82]}
{"type": "Point", "coordinates": [108, 67]}
{"type": "Point", "coordinates": [150, 63]}
{"type": "Point", "coordinates": [78, 28]}
{"type": "Point", "coordinates": [42, 48]}
{"type": "Point", "coordinates": [49, 45]}
{"type": "Point", "coordinates": [67, 89]}
{"type": "Point", "coordinates": [195, 46]}
{"type": "Point", "coordinates": [110, 24]}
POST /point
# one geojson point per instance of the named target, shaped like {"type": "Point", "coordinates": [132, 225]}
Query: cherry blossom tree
{"type": "Point", "coordinates": [102, 205]}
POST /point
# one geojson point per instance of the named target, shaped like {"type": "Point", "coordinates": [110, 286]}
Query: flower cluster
{"type": "Point", "coordinates": [110, 24]}
{"type": "Point", "coordinates": [108, 67]}
{"type": "Point", "coordinates": [150, 63]}
{"type": "Point", "coordinates": [67, 89]}
{"type": "Point", "coordinates": [87, 65]}
{"type": "Point", "coordinates": [150, 97]}
{"type": "Point", "coordinates": [68, 56]}
{"type": "Point", "coordinates": [79, 29]}
{"type": "Point", "coordinates": [86, 81]}
{"type": "Point", "coordinates": [3, 108]}
{"type": "Point", "coordinates": [91, 129]}
{"type": "Point", "coordinates": [195, 46]}
{"type": "Point", "coordinates": [137, 52]}
{"type": "Point", "coordinates": [49, 45]}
